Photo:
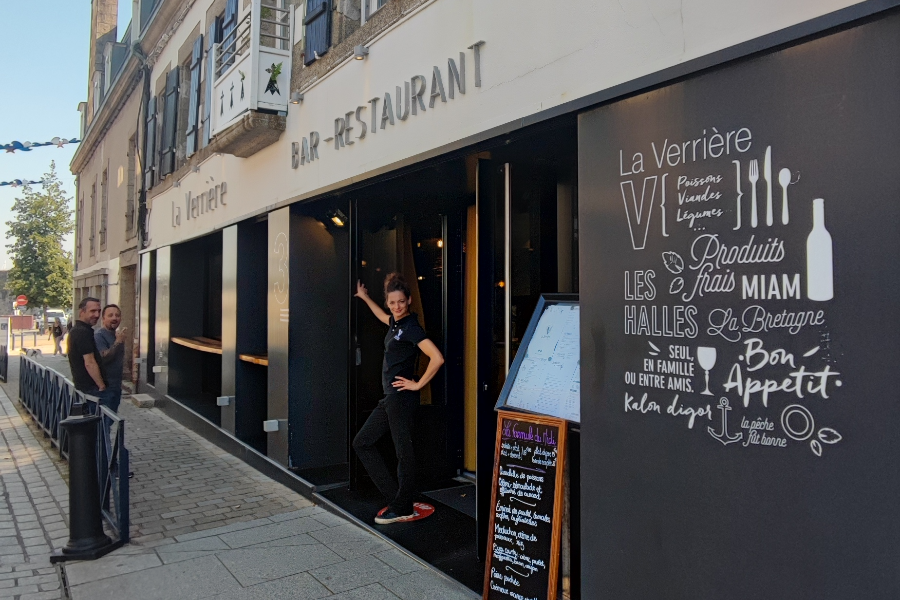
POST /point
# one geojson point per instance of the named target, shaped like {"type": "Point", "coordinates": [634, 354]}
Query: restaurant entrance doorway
{"type": "Point", "coordinates": [479, 238]}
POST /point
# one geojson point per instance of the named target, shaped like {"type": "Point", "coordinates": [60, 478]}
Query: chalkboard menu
{"type": "Point", "coordinates": [526, 508]}
{"type": "Point", "coordinates": [545, 377]}
{"type": "Point", "coordinates": [739, 281]}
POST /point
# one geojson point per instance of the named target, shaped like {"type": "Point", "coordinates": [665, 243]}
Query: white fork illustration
{"type": "Point", "coordinates": [754, 177]}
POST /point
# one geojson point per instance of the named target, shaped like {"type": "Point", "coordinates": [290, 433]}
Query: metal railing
{"type": "Point", "coordinates": [235, 43]}
{"type": "Point", "coordinates": [21, 335]}
{"type": "Point", "coordinates": [113, 465]}
{"type": "Point", "coordinates": [48, 396]}
{"type": "Point", "coordinates": [275, 24]}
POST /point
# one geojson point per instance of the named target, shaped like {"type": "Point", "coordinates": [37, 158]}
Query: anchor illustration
{"type": "Point", "coordinates": [723, 435]}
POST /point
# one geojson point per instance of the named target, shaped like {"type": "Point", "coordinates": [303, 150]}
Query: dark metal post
{"type": "Point", "coordinates": [86, 538]}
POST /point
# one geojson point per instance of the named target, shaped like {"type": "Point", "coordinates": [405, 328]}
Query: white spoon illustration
{"type": "Point", "coordinates": [784, 179]}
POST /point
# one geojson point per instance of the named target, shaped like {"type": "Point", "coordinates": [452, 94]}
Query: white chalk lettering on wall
{"type": "Point", "coordinates": [522, 516]}
{"type": "Point", "coordinates": [734, 307]}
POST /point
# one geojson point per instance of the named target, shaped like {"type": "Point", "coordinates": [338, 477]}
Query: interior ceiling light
{"type": "Point", "coordinates": [337, 217]}
{"type": "Point", "coordinates": [360, 52]}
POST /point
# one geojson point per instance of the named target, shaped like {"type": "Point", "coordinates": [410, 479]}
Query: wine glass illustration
{"type": "Point", "coordinates": [706, 356]}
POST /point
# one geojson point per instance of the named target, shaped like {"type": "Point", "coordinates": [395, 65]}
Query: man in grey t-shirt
{"type": "Point", "coordinates": [111, 344]}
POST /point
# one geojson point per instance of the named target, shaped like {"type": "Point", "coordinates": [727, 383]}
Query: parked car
{"type": "Point", "coordinates": [52, 314]}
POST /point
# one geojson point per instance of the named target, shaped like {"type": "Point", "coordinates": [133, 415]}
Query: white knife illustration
{"type": "Point", "coordinates": [767, 173]}
{"type": "Point", "coordinates": [737, 165]}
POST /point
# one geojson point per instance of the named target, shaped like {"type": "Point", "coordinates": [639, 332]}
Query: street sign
{"type": "Point", "coordinates": [21, 300]}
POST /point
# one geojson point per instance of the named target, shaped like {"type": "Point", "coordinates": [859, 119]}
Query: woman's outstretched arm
{"type": "Point", "coordinates": [435, 360]}
{"type": "Point", "coordinates": [379, 313]}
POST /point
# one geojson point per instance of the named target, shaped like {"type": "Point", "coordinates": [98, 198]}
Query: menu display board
{"type": "Point", "coordinates": [526, 508]}
{"type": "Point", "coordinates": [738, 314]}
{"type": "Point", "coordinates": [545, 377]}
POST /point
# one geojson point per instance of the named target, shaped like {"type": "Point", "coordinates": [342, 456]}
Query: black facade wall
{"type": "Point", "coordinates": [252, 310]}
{"type": "Point", "coordinates": [320, 297]}
{"type": "Point", "coordinates": [702, 512]}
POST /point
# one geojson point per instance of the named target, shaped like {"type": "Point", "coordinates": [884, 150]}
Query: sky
{"type": "Point", "coordinates": [44, 70]}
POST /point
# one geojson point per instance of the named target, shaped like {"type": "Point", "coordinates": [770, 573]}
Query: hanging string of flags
{"type": "Point", "coordinates": [27, 146]}
{"type": "Point", "coordinates": [17, 182]}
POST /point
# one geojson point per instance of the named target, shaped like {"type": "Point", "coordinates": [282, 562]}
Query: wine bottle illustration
{"type": "Point", "coordinates": [819, 259]}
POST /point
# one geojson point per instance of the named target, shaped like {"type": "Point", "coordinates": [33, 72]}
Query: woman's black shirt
{"type": "Point", "coordinates": [401, 350]}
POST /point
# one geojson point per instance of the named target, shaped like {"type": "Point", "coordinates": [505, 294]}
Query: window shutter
{"type": "Point", "coordinates": [79, 221]}
{"type": "Point", "coordinates": [194, 104]}
{"type": "Point", "coordinates": [213, 37]}
{"type": "Point", "coordinates": [228, 32]}
{"type": "Point", "coordinates": [104, 207]}
{"type": "Point", "coordinates": [160, 116]}
{"type": "Point", "coordinates": [170, 123]}
{"type": "Point", "coordinates": [150, 145]}
{"type": "Point", "coordinates": [318, 29]}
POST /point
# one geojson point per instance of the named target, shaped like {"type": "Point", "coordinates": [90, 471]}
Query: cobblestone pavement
{"type": "Point", "coordinates": [183, 483]}
{"type": "Point", "coordinates": [206, 525]}
{"type": "Point", "coordinates": [33, 509]}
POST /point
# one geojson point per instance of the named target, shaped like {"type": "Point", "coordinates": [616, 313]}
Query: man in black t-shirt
{"type": "Point", "coordinates": [84, 358]}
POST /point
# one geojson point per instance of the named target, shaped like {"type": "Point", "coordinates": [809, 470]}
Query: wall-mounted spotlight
{"type": "Point", "coordinates": [195, 169]}
{"type": "Point", "coordinates": [337, 217]}
{"type": "Point", "coordinates": [296, 97]}
{"type": "Point", "coordinates": [360, 52]}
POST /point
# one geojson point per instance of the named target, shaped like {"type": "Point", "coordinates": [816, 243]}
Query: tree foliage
{"type": "Point", "coordinates": [42, 269]}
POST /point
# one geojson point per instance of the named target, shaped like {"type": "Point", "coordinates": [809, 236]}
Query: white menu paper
{"type": "Point", "coordinates": [548, 381]}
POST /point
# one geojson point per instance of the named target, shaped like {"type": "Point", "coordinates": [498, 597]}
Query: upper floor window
{"type": "Point", "coordinates": [194, 68]}
{"type": "Point", "coordinates": [92, 237]}
{"type": "Point", "coordinates": [131, 198]}
{"type": "Point", "coordinates": [104, 206]}
{"type": "Point", "coordinates": [318, 29]}
{"type": "Point", "coordinates": [232, 43]}
{"type": "Point", "coordinates": [79, 223]}
{"type": "Point", "coordinates": [147, 8]}
{"type": "Point", "coordinates": [149, 163]}
{"type": "Point", "coordinates": [213, 37]}
{"type": "Point", "coordinates": [275, 24]}
{"type": "Point", "coordinates": [169, 122]}
{"type": "Point", "coordinates": [370, 7]}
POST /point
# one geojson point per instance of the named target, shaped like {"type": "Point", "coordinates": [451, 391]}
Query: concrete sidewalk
{"type": "Point", "coordinates": [206, 525]}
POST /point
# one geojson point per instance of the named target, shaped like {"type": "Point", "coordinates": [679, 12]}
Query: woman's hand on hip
{"type": "Point", "coordinates": [402, 383]}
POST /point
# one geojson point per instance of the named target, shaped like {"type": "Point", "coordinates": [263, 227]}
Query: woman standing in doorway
{"type": "Point", "coordinates": [395, 412]}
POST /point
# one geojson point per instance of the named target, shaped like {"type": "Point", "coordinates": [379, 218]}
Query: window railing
{"type": "Point", "coordinates": [251, 66]}
{"type": "Point", "coordinates": [235, 43]}
{"type": "Point", "coordinates": [370, 7]}
{"type": "Point", "coordinates": [275, 25]}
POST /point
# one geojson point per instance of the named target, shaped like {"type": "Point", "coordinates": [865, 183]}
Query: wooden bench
{"type": "Point", "coordinates": [256, 359]}
{"type": "Point", "coordinates": [203, 344]}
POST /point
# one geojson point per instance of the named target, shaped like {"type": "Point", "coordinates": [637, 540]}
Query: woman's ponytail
{"type": "Point", "coordinates": [395, 282]}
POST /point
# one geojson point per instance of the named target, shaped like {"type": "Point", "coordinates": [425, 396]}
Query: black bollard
{"type": "Point", "coordinates": [86, 538]}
